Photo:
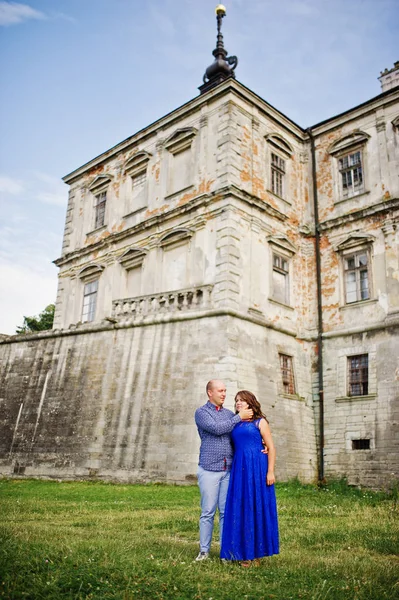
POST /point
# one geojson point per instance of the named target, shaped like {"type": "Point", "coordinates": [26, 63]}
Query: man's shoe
{"type": "Point", "coordinates": [202, 556]}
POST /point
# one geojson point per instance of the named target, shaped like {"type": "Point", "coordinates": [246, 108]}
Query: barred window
{"type": "Point", "coordinates": [357, 278]}
{"type": "Point", "coordinates": [358, 375]}
{"type": "Point", "coordinates": [101, 201]}
{"type": "Point", "coordinates": [89, 301]}
{"type": "Point", "coordinates": [280, 279]}
{"type": "Point", "coordinates": [277, 175]}
{"type": "Point", "coordinates": [287, 373]}
{"type": "Point", "coordinates": [351, 171]}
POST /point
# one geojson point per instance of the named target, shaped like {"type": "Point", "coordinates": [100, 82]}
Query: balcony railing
{"type": "Point", "coordinates": [189, 299]}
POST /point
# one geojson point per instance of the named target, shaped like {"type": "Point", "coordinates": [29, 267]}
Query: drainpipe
{"type": "Point", "coordinates": [319, 307]}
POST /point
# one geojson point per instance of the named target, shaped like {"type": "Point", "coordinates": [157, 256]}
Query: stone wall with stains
{"type": "Point", "coordinates": [119, 403]}
{"type": "Point", "coordinates": [363, 224]}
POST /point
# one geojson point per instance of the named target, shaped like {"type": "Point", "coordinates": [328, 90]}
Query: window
{"type": "Point", "coordinates": [280, 279]}
{"type": "Point", "coordinates": [351, 174]}
{"type": "Point", "coordinates": [362, 444]}
{"type": "Point", "coordinates": [287, 373]}
{"type": "Point", "coordinates": [89, 301]}
{"type": "Point", "coordinates": [358, 375]}
{"type": "Point", "coordinates": [350, 153]}
{"type": "Point", "coordinates": [356, 275]}
{"type": "Point", "coordinates": [101, 200]}
{"type": "Point", "coordinates": [277, 175]}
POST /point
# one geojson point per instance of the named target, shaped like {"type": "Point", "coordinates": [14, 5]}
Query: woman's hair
{"type": "Point", "coordinates": [252, 402]}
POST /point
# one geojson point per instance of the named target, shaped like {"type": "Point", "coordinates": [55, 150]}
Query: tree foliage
{"type": "Point", "coordinates": [41, 323]}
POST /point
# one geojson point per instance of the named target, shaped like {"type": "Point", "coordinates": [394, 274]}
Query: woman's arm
{"type": "Point", "coordinates": [268, 440]}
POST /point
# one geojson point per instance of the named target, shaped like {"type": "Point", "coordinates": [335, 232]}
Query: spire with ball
{"type": "Point", "coordinates": [223, 66]}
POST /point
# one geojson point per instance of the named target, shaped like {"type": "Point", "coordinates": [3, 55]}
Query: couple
{"type": "Point", "coordinates": [241, 487]}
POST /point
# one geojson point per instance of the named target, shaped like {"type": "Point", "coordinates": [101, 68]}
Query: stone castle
{"type": "Point", "coordinates": [226, 241]}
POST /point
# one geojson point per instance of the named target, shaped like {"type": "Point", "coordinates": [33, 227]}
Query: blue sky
{"type": "Point", "coordinates": [78, 76]}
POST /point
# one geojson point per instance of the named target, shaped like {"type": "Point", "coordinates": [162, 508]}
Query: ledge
{"type": "Point", "coordinates": [342, 200]}
{"type": "Point", "coordinates": [355, 398]}
{"type": "Point", "coordinates": [359, 303]}
{"type": "Point", "coordinates": [102, 228]}
{"type": "Point", "coordinates": [296, 397]}
{"type": "Point", "coordinates": [273, 301]}
{"type": "Point", "coordinates": [135, 212]}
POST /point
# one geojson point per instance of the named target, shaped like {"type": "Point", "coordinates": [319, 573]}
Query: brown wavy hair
{"type": "Point", "coordinates": [252, 402]}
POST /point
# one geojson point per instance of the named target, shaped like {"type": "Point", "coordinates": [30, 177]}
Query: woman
{"type": "Point", "coordinates": [250, 520]}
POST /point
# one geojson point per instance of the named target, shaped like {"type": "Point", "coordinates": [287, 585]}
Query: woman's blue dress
{"type": "Point", "coordinates": [250, 519]}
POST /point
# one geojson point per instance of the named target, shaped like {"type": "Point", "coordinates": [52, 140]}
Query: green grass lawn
{"type": "Point", "coordinates": [94, 540]}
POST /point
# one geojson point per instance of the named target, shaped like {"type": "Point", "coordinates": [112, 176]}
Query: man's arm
{"type": "Point", "coordinates": [205, 421]}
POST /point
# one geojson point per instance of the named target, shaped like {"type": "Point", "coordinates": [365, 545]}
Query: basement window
{"type": "Point", "coordinates": [358, 375]}
{"type": "Point", "coordinates": [362, 444]}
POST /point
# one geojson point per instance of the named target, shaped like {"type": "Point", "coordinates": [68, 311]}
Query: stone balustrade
{"type": "Point", "coordinates": [194, 299]}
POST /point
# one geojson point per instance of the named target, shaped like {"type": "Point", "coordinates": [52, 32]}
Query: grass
{"type": "Point", "coordinates": [85, 540]}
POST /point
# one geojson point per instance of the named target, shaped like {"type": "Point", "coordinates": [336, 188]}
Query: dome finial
{"type": "Point", "coordinates": [223, 66]}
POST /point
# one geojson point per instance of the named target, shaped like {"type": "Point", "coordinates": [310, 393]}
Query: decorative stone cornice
{"type": "Point", "coordinates": [362, 213]}
{"type": "Point", "coordinates": [161, 219]}
{"type": "Point", "coordinates": [180, 140]}
{"type": "Point", "coordinates": [132, 258]}
{"type": "Point", "coordinates": [100, 183]}
{"type": "Point", "coordinates": [348, 141]}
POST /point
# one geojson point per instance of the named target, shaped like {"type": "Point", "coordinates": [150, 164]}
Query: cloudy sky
{"type": "Point", "coordinates": [78, 76]}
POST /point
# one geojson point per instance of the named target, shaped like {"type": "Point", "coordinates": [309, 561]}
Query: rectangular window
{"type": "Point", "coordinates": [280, 279]}
{"type": "Point", "coordinates": [89, 301]}
{"type": "Point", "coordinates": [363, 444]}
{"type": "Point", "coordinates": [356, 277]}
{"type": "Point", "coordinates": [277, 175]}
{"type": "Point", "coordinates": [358, 375]}
{"type": "Point", "coordinates": [351, 172]}
{"type": "Point", "coordinates": [287, 373]}
{"type": "Point", "coordinates": [101, 201]}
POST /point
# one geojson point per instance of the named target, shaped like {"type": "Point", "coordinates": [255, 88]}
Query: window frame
{"type": "Point", "coordinates": [351, 169]}
{"type": "Point", "coordinates": [342, 148]}
{"type": "Point", "coordinates": [364, 384]}
{"type": "Point", "coordinates": [278, 147]}
{"type": "Point", "coordinates": [92, 294]}
{"type": "Point", "coordinates": [281, 247]}
{"type": "Point", "coordinates": [358, 269]}
{"type": "Point", "coordinates": [286, 272]}
{"type": "Point", "coordinates": [100, 206]}
{"type": "Point", "coordinates": [291, 381]}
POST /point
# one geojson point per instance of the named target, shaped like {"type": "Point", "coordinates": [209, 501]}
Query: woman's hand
{"type": "Point", "coordinates": [270, 478]}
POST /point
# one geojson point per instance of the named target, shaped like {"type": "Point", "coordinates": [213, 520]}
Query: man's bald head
{"type": "Point", "coordinates": [216, 392]}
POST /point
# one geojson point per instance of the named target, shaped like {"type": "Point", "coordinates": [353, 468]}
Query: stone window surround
{"type": "Point", "coordinates": [99, 185]}
{"type": "Point", "coordinates": [88, 274]}
{"type": "Point", "coordinates": [342, 373]}
{"type": "Point", "coordinates": [353, 244]}
{"type": "Point", "coordinates": [281, 246]}
{"type": "Point", "coordinates": [349, 144]}
{"type": "Point", "coordinates": [276, 144]}
{"type": "Point", "coordinates": [132, 258]}
{"type": "Point", "coordinates": [135, 166]}
{"type": "Point", "coordinates": [181, 140]}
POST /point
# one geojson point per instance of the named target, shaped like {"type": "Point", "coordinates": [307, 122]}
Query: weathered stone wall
{"type": "Point", "coordinates": [374, 417]}
{"type": "Point", "coordinates": [119, 403]}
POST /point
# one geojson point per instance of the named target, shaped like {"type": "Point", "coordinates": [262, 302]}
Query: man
{"type": "Point", "coordinates": [214, 425]}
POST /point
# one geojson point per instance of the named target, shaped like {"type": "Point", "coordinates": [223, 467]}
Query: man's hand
{"type": "Point", "coordinates": [246, 414]}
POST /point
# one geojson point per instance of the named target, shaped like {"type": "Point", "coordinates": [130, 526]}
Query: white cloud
{"type": "Point", "coordinates": [10, 186]}
{"type": "Point", "coordinates": [57, 199]}
{"type": "Point", "coordinates": [12, 13]}
{"type": "Point", "coordinates": [24, 292]}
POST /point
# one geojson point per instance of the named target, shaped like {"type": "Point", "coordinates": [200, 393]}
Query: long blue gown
{"type": "Point", "coordinates": [250, 520]}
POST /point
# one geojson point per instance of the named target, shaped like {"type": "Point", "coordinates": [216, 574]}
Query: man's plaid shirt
{"type": "Point", "coordinates": [214, 428]}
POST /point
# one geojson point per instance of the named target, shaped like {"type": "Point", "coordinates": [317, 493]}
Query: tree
{"type": "Point", "coordinates": [41, 323]}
